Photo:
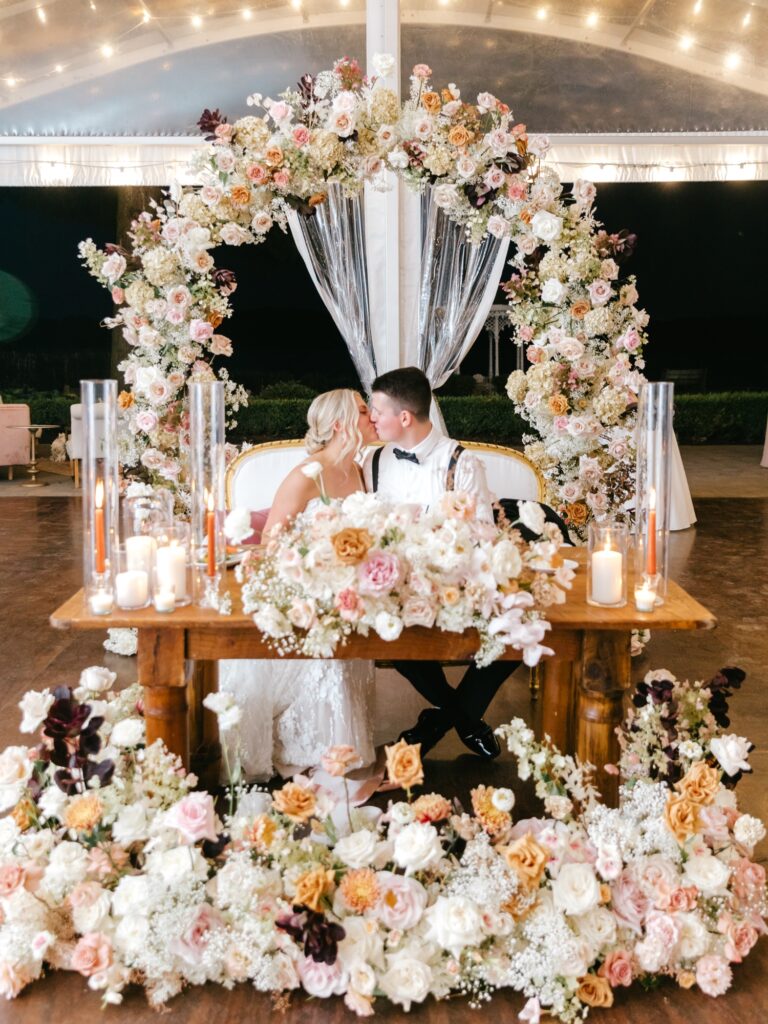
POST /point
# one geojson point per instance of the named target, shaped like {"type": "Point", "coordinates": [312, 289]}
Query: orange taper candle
{"type": "Point", "coordinates": [650, 551]}
{"type": "Point", "coordinates": [211, 529]}
{"type": "Point", "coordinates": [98, 526]}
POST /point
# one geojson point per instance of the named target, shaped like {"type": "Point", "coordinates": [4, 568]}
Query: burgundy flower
{"type": "Point", "coordinates": [225, 281]}
{"type": "Point", "coordinates": [209, 122]}
{"type": "Point", "coordinates": [319, 937]}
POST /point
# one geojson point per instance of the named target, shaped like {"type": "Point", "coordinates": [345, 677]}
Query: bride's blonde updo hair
{"type": "Point", "coordinates": [332, 407]}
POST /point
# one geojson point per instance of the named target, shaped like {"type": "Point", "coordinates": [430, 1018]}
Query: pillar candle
{"type": "Point", "coordinates": [171, 573]}
{"type": "Point", "coordinates": [607, 576]}
{"type": "Point", "coordinates": [140, 553]}
{"type": "Point", "coordinates": [132, 588]}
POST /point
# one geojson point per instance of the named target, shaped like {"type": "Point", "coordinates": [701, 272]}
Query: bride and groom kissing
{"type": "Point", "coordinates": [293, 711]}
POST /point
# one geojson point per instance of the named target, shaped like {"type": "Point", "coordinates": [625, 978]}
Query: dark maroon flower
{"type": "Point", "coordinates": [319, 937]}
{"type": "Point", "coordinates": [225, 281]}
{"type": "Point", "coordinates": [209, 122]}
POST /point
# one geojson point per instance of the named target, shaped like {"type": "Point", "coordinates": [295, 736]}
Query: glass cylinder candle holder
{"type": "Point", "coordinates": [100, 489]}
{"type": "Point", "coordinates": [100, 594]}
{"type": "Point", "coordinates": [206, 476]}
{"type": "Point", "coordinates": [607, 564]}
{"type": "Point", "coordinates": [144, 513]}
{"type": "Point", "coordinates": [131, 583]}
{"type": "Point", "coordinates": [172, 570]}
{"type": "Point", "coordinates": [654, 487]}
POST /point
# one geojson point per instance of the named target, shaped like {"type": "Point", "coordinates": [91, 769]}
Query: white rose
{"type": "Point", "coordinates": [748, 831]}
{"type": "Point", "coordinates": [383, 65]}
{"type": "Point", "coordinates": [707, 873]}
{"type": "Point", "coordinates": [53, 802]}
{"type": "Point", "coordinates": [498, 226]}
{"type": "Point", "coordinates": [401, 813]}
{"type": "Point", "coordinates": [131, 934]}
{"type": "Point", "coordinates": [237, 525]}
{"type": "Point", "coordinates": [553, 290]}
{"type": "Point", "coordinates": [407, 981]}
{"type": "Point", "coordinates": [731, 752]}
{"type": "Point", "coordinates": [546, 226]}
{"type": "Point", "coordinates": [92, 917]}
{"type": "Point", "coordinates": [694, 937]}
{"type": "Point", "coordinates": [97, 679]}
{"type": "Point", "coordinates": [131, 825]}
{"type": "Point", "coordinates": [398, 158]}
{"type": "Point", "coordinates": [15, 768]}
{"type": "Point", "coordinates": [531, 515]}
{"type": "Point", "coordinates": [401, 901]}
{"type": "Point", "coordinates": [576, 889]}
{"type": "Point", "coordinates": [113, 267]}
{"type": "Point", "coordinates": [35, 705]}
{"type": "Point", "coordinates": [345, 101]}
{"type": "Point", "coordinates": [454, 922]}
{"type": "Point", "coordinates": [445, 196]}
{"type": "Point", "coordinates": [67, 865]}
{"type": "Point", "coordinates": [132, 896]}
{"type": "Point", "coordinates": [358, 849]}
{"type": "Point", "coordinates": [417, 847]}
{"type": "Point", "coordinates": [261, 222]}
{"type": "Point", "coordinates": [130, 732]}
{"type": "Point", "coordinates": [178, 863]}
{"type": "Point", "coordinates": [598, 928]}
{"type": "Point", "coordinates": [362, 942]}
{"type": "Point", "coordinates": [465, 166]}
{"type": "Point", "coordinates": [506, 563]}
{"type": "Point", "coordinates": [362, 977]}
{"type": "Point", "coordinates": [389, 627]}
{"type": "Point", "coordinates": [503, 799]}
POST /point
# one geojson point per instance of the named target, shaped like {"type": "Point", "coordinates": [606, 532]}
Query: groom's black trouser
{"type": "Point", "coordinates": [469, 701]}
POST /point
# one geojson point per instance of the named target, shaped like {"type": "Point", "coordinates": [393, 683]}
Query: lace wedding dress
{"type": "Point", "coordinates": [295, 709]}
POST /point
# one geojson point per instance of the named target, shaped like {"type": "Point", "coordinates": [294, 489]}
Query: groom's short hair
{"type": "Point", "coordinates": [408, 388]}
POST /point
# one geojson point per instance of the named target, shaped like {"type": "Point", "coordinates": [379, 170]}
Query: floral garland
{"type": "Point", "coordinates": [584, 337]}
{"type": "Point", "coordinates": [111, 866]}
{"type": "Point", "coordinates": [359, 564]}
{"type": "Point", "coordinates": [336, 128]}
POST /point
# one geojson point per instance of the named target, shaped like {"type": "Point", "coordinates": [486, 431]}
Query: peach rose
{"type": "Point", "coordinates": [576, 513]}
{"type": "Point", "coordinates": [360, 890]}
{"type": "Point", "coordinates": [83, 813]}
{"type": "Point", "coordinates": [261, 832]}
{"type": "Point", "coordinates": [682, 817]}
{"type": "Point", "coordinates": [459, 136]}
{"type": "Point", "coordinates": [274, 156]}
{"type": "Point", "coordinates": [617, 969]}
{"type": "Point", "coordinates": [351, 545]}
{"type": "Point", "coordinates": [404, 767]}
{"type": "Point", "coordinates": [12, 877]}
{"type": "Point", "coordinates": [295, 802]}
{"type": "Point", "coordinates": [92, 954]}
{"type": "Point", "coordinates": [686, 979]}
{"type": "Point", "coordinates": [24, 814]}
{"type": "Point", "coordinates": [431, 102]}
{"type": "Point", "coordinates": [312, 886]}
{"type": "Point", "coordinates": [337, 761]}
{"type": "Point", "coordinates": [595, 991]}
{"type": "Point", "coordinates": [527, 859]}
{"type": "Point", "coordinates": [431, 807]}
{"type": "Point", "coordinates": [317, 199]}
{"type": "Point", "coordinates": [580, 309]}
{"type": "Point", "coordinates": [240, 195]}
{"type": "Point", "coordinates": [558, 405]}
{"type": "Point", "coordinates": [699, 784]}
{"type": "Point", "coordinates": [125, 399]}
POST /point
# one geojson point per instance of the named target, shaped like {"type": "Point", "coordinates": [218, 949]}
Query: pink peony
{"type": "Point", "coordinates": [92, 954]}
{"type": "Point", "coordinates": [349, 605]}
{"type": "Point", "coordinates": [379, 573]}
{"type": "Point", "coordinates": [422, 71]}
{"type": "Point", "coordinates": [713, 975]}
{"type": "Point", "coordinates": [200, 330]}
{"type": "Point", "coordinates": [194, 817]}
{"type": "Point", "coordinates": [617, 968]}
{"type": "Point", "coordinates": [191, 945]}
{"type": "Point", "coordinates": [300, 135]}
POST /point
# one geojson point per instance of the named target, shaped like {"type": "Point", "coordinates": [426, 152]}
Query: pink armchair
{"type": "Point", "coordinates": [14, 443]}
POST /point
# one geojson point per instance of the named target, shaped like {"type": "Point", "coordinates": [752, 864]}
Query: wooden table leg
{"type": "Point", "coordinates": [557, 702]}
{"type": "Point", "coordinates": [604, 678]}
{"type": "Point", "coordinates": [161, 673]}
{"type": "Point", "coordinates": [205, 748]}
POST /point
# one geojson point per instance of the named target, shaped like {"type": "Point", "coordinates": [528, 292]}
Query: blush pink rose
{"type": "Point", "coordinates": [282, 178]}
{"type": "Point", "coordinates": [300, 135]}
{"type": "Point", "coordinates": [629, 903]}
{"type": "Point", "coordinates": [401, 902]}
{"type": "Point", "coordinates": [525, 332]}
{"type": "Point", "coordinates": [12, 979]}
{"type": "Point", "coordinates": [714, 823]}
{"type": "Point", "coordinates": [713, 975]}
{"type": "Point", "coordinates": [221, 346]}
{"type": "Point", "coordinates": [683, 898]}
{"type": "Point", "coordinates": [379, 573]}
{"type": "Point", "coordinates": [534, 353]}
{"type": "Point", "coordinates": [617, 969]}
{"type": "Point", "coordinates": [191, 945]}
{"type": "Point", "coordinates": [224, 132]}
{"type": "Point", "coordinates": [740, 937]}
{"type": "Point", "coordinates": [92, 954]}
{"type": "Point", "coordinates": [12, 877]}
{"type": "Point", "coordinates": [748, 879]}
{"type": "Point", "coordinates": [85, 894]}
{"type": "Point", "coordinates": [560, 423]}
{"type": "Point", "coordinates": [421, 71]}
{"type": "Point", "coordinates": [194, 817]}
{"type": "Point", "coordinates": [118, 295]}
{"type": "Point", "coordinates": [257, 173]}
{"type": "Point", "coordinates": [630, 340]}
{"type": "Point", "coordinates": [418, 611]}
{"type": "Point", "coordinates": [321, 980]}
{"type": "Point", "coordinates": [200, 330]}
{"type": "Point", "coordinates": [146, 420]}
{"type": "Point", "coordinates": [349, 605]}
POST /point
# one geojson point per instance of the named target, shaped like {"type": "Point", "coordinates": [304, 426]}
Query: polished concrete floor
{"type": "Point", "coordinates": [723, 562]}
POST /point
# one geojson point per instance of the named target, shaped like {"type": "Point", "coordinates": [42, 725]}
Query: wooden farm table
{"type": "Point", "coordinates": [581, 688]}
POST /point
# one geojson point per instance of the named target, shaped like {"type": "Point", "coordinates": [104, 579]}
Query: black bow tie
{"type": "Point", "coordinates": [400, 454]}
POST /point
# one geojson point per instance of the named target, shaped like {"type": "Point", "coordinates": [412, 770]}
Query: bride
{"type": "Point", "coordinates": [295, 709]}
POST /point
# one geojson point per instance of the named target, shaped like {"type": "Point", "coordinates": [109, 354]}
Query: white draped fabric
{"type": "Point", "coordinates": [681, 511]}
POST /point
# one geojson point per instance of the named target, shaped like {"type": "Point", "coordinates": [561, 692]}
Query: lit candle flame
{"type": "Point", "coordinates": [652, 498]}
{"type": "Point", "coordinates": [99, 495]}
{"type": "Point", "coordinates": [209, 500]}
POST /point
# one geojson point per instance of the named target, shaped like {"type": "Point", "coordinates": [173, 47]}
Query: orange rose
{"type": "Point", "coordinates": [595, 991]}
{"type": "Point", "coordinates": [215, 320]}
{"type": "Point", "coordinates": [526, 216]}
{"type": "Point", "coordinates": [431, 102]}
{"type": "Point", "coordinates": [404, 767]}
{"type": "Point", "coordinates": [317, 199]}
{"type": "Point", "coordinates": [558, 405]}
{"type": "Point", "coordinates": [682, 817]}
{"type": "Point", "coordinates": [274, 156]}
{"type": "Point", "coordinates": [360, 890]}
{"type": "Point", "coordinates": [459, 136]}
{"type": "Point", "coordinates": [24, 814]}
{"type": "Point", "coordinates": [576, 513]}
{"type": "Point", "coordinates": [699, 784]}
{"type": "Point", "coordinates": [294, 801]}
{"type": "Point", "coordinates": [312, 886]}
{"type": "Point", "coordinates": [527, 859]}
{"type": "Point", "coordinates": [125, 399]}
{"type": "Point", "coordinates": [580, 309]}
{"type": "Point", "coordinates": [240, 195]}
{"type": "Point", "coordinates": [351, 545]}
{"type": "Point", "coordinates": [83, 813]}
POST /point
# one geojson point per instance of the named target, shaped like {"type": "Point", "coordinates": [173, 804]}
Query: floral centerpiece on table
{"type": "Point", "coordinates": [360, 564]}
{"type": "Point", "coordinates": [111, 866]}
{"type": "Point", "coordinates": [583, 335]}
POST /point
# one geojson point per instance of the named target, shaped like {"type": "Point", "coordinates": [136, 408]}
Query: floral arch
{"type": "Point", "coordinates": [338, 131]}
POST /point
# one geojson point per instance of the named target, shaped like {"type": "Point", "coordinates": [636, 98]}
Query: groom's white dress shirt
{"type": "Point", "coordinates": [423, 482]}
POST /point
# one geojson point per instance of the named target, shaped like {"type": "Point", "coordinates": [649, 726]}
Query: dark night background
{"type": "Point", "coordinates": [699, 264]}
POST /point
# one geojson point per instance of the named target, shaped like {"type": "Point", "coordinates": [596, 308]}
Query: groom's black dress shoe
{"type": "Point", "coordinates": [479, 738]}
{"type": "Point", "coordinates": [431, 726]}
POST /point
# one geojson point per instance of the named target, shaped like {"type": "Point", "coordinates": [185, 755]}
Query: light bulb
{"type": "Point", "coordinates": [41, 15]}
{"type": "Point", "coordinates": [247, 14]}
{"type": "Point", "coordinates": [107, 51]}
{"type": "Point", "coordinates": [10, 81]}
{"type": "Point", "coordinates": [592, 19]}
{"type": "Point", "coordinates": [58, 68]}
{"type": "Point", "coordinates": [542, 13]}
{"type": "Point", "coordinates": [698, 6]}
{"type": "Point", "coordinates": [296, 5]}
{"type": "Point", "coordinates": [197, 21]}
{"type": "Point", "coordinates": [732, 61]}
{"type": "Point", "coordinates": [343, 3]}
{"type": "Point", "coordinates": [146, 16]}
{"type": "Point", "coordinates": [746, 20]}
{"type": "Point", "coordinates": [686, 42]}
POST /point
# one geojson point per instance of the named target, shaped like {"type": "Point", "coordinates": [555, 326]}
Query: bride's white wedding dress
{"type": "Point", "coordinates": [295, 709]}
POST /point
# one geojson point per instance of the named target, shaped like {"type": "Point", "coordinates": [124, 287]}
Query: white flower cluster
{"type": "Point", "coordinates": [361, 564]}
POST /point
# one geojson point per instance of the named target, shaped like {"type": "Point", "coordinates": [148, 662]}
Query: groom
{"type": "Point", "coordinates": [418, 464]}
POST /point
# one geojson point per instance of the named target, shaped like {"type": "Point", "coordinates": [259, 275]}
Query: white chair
{"type": "Point", "coordinates": [75, 444]}
{"type": "Point", "coordinates": [14, 437]}
{"type": "Point", "coordinates": [254, 476]}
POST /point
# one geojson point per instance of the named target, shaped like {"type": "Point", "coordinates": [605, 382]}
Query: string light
{"type": "Point", "coordinates": [11, 82]}
{"type": "Point", "coordinates": [146, 16]}
{"type": "Point", "coordinates": [58, 68]}
{"type": "Point", "coordinates": [42, 17]}
{"type": "Point", "coordinates": [542, 13]}
{"type": "Point", "coordinates": [592, 19]}
{"type": "Point", "coordinates": [686, 42]}
{"type": "Point", "coordinates": [107, 51]}
{"type": "Point", "coordinates": [296, 5]}
{"type": "Point", "coordinates": [698, 6]}
{"type": "Point", "coordinates": [92, 5]}
{"type": "Point", "coordinates": [343, 3]}
{"type": "Point", "coordinates": [197, 21]}
{"type": "Point", "coordinates": [745, 21]}
{"type": "Point", "coordinates": [247, 14]}
{"type": "Point", "coordinates": [732, 61]}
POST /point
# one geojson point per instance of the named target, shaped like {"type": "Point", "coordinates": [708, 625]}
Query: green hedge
{"type": "Point", "coordinates": [737, 417]}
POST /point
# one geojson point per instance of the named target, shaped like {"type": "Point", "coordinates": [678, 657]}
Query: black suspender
{"type": "Point", "coordinates": [450, 476]}
{"type": "Point", "coordinates": [375, 469]}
